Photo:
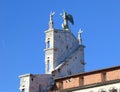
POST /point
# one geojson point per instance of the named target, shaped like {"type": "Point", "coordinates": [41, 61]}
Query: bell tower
{"type": "Point", "coordinates": [63, 50]}
{"type": "Point", "coordinates": [49, 64]}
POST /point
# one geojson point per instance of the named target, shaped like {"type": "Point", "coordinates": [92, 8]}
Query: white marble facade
{"type": "Point", "coordinates": [114, 87]}
{"type": "Point", "coordinates": [63, 54]}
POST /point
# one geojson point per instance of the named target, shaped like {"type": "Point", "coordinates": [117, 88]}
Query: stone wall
{"type": "Point", "coordinates": [74, 64]}
{"type": "Point", "coordinates": [64, 43]}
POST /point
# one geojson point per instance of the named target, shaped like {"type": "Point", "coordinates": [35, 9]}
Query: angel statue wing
{"type": "Point", "coordinates": [70, 18]}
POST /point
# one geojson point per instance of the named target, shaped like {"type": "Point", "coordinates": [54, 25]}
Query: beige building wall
{"type": "Point", "coordinates": [24, 82]}
{"type": "Point", "coordinates": [35, 83]}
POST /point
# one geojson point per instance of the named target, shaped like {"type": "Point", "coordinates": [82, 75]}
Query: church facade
{"type": "Point", "coordinates": [64, 66]}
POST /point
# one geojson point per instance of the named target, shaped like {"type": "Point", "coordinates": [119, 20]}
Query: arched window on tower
{"type": "Point", "coordinates": [48, 65]}
{"type": "Point", "coordinates": [48, 43]}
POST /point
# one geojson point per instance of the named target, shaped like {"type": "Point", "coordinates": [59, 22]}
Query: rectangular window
{"type": "Point", "coordinates": [81, 81]}
{"type": "Point", "coordinates": [103, 76]}
{"type": "Point", "coordinates": [60, 85]}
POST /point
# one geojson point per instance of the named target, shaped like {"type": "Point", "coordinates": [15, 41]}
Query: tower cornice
{"type": "Point", "coordinates": [50, 49]}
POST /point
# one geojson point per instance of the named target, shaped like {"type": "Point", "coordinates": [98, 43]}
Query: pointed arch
{"type": "Point", "coordinates": [112, 89]}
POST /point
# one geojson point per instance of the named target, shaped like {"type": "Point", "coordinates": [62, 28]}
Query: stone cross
{"type": "Point", "coordinates": [79, 36]}
{"type": "Point", "coordinates": [51, 24]}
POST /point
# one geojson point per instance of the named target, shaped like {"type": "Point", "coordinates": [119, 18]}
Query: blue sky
{"type": "Point", "coordinates": [22, 26]}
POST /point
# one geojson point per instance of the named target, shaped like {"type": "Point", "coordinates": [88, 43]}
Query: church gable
{"type": "Point", "coordinates": [73, 64]}
{"type": "Point", "coordinates": [65, 43]}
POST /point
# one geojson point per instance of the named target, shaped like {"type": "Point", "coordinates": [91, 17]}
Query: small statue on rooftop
{"type": "Point", "coordinates": [66, 17]}
{"type": "Point", "coordinates": [79, 36]}
{"type": "Point", "coordinates": [51, 25]}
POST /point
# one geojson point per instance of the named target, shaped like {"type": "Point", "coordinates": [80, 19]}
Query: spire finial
{"type": "Point", "coordinates": [79, 36]}
{"type": "Point", "coordinates": [51, 25]}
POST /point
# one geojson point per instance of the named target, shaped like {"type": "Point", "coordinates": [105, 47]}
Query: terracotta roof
{"type": "Point", "coordinates": [90, 72]}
